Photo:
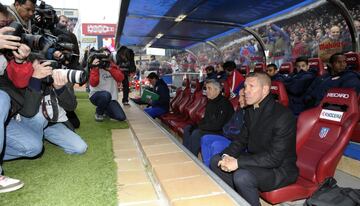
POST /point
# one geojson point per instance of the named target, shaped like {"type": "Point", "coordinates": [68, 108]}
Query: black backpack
{"type": "Point", "coordinates": [330, 194]}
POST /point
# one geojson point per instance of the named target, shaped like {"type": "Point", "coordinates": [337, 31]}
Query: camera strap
{"type": "Point", "coordinates": [54, 106]}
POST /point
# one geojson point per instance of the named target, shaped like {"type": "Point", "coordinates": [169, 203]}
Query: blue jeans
{"type": "Point", "coordinates": [4, 111]}
{"type": "Point", "coordinates": [24, 138]}
{"type": "Point", "coordinates": [65, 138]}
{"type": "Point", "coordinates": [155, 111]}
{"type": "Point", "coordinates": [211, 145]}
{"type": "Point", "coordinates": [104, 104]}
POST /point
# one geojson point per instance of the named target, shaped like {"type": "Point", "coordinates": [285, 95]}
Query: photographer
{"type": "Point", "coordinates": [22, 11]}
{"type": "Point", "coordinates": [125, 60]}
{"type": "Point", "coordinates": [104, 75]}
{"type": "Point", "coordinates": [9, 42]}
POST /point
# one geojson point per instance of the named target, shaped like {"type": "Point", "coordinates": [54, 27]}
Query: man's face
{"type": "Point", "coordinates": [357, 25]}
{"type": "Point", "coordinates": [335, 32]}
{"type": "Point", "coordinates": [63, 21]}
{"type": "Point", "coordinates": [301, 66]}
{"type": "Point", "coordinates": [271, 71]}
{"type": "Point", "coordinates": [4, 20]}
{"type": "Point", "coordinates": [152, 81]}
{"type": "Point", "coordinates": [211, 91]}
{"type": "Point", "coordinates": [339, 64]}
{"type": "Point", "coordinates": [254, 91]}
{"type": "Point", "coordinates": [26, 11]}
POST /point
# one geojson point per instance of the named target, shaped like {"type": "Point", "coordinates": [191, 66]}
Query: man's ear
{"type": "Point", "coordinates": [266, 89]}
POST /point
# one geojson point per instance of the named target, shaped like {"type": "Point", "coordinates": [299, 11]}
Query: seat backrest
{"type": "Point", "coordinates": [186, 94]}
{"type": "Point", "coordinates": [323, 133]}
{"type": "Point", "coordinates": [195, 97]}
{"type": "Point", "coordinates": [278, 90]}
{"type": "Point", "coordinates": [260, 67]}
{"type": "Point", "coordinates": [318, 64]}
{"type": "Point", "coordinates": [286, 68]}
{"type": "Point", "coordinates": [200, 110]}
{"type": "Point", "coordinates": [178, 95]}
{"type": "Point", "coordinates": [353, 60]}
{"type": "Point", "coordinates": [244, 70]}
{"type": "Point", "coordinates": [174, 104]}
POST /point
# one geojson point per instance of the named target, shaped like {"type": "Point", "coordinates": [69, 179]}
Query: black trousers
{"type": "Point", "coordinates": [125, 85]}
{"type": "Point", "coordinates": [243, 181]}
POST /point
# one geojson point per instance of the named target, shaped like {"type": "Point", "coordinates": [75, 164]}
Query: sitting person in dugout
{"type": "Point", "coordinates": [263, 157]}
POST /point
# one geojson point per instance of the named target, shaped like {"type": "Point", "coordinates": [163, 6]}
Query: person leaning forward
{"type": "Point", "coordinates": [264, 156]}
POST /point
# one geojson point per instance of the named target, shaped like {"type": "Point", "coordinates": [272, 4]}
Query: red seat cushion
{"type": "Point", "coordinates": [286, 68]}
{"type": "Point", "coordinates": [279, 92]}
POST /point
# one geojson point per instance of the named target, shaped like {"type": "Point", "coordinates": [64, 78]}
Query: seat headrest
{"type": "Point", "coordinates": [336, 103]}
{"type": "Point", "coordinates": [279, 92]}
{"type": "Point", "coordinates": [244, 69]}
{"type": "Point", "coordinates": [353, 60]}
{"type": "Point", "coordinates": [318, 64]}
{"type": "Point", "coordinates": [286, 68]}
{"type": "Point", "coordinates": [259, 67]}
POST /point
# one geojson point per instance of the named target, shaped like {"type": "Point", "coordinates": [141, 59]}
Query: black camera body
{"type": "Point", "coordinates": [103, 57]}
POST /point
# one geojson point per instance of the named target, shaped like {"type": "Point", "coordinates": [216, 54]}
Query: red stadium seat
{"type": "Point", "coordinates": [353, 60]}
{"type": "Point", "coordinates": [279, 92]}
{"type": "Point", "coordinates": [356, 135]}
{"type": "Point", "coordinates": [318, 64]}
{"type": "Point", "coordinates": [260, 67]}
{"type": "Point", "coordinates": [244, 70]}
{"type": "Point", "coordinates": [235, 102]}
{"type": "Point", "coordinates": [322, 135]}
{"type": "Point", "coordinates": [286, 68]}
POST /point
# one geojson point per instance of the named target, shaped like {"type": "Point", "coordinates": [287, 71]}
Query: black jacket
{"type": "Point", "coordinates": [267, 145]}
{"type": "Point", "coordinates": [162, 90]}
{"type": "Point", "coordinates": [218, 112]}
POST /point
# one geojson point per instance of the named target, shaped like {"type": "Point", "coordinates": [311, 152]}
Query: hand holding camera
{"type": "Point", "coordinates": [22, 53]}
{"type": "Point", "coordinates": [41, 70]}
{"type": "Point", "coordinates": [9, 41]}
{"type": "Point", "coordinates": [59, 78]}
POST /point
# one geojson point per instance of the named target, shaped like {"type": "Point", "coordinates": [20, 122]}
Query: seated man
{"type": "Point", "coordinates": [104, 75]}
{"type": "Point", "coordinates": [234, 79]}
{"type": "Point", "coordinates": [218, 111]}
{"type": "Point", "coordinates": [273, 71]}
{"type": "Point", "coordinates": [160, 106]}
{"type": "Point", "coordinates": [212, 144]}
{"type": "Point", "coordinates": [297, 84]}
{"type": "Point", "coordinates": [337, 76]}
{"type": "Point", "coordinates": [264, 156]}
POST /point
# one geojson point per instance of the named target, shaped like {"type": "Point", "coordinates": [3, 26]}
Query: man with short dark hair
{"type": "Point", "coordinates": [263, 157]}
{"type": "Point", "coordinates": [22, 11]}
{"type": "Point", "coordinates": [338, 76]}
{"type": "Point", "coordinates": [234, 79]}
{"type": "Point", "coordinates": [298, 82]}
{"type": "Point", "coordinates": [273, 71]}
{"type": "Point", "coordinates": [160, 106]}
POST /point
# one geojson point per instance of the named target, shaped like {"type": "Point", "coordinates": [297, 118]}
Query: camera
{"type": "Point", "coordinates": [73, 76]}
{"type": "Point", "coordinates": [35, 42]}
{"type": "Point", "coordinates": [103, 57]}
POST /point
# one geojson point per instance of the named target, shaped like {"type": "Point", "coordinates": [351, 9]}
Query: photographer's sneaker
{"type": "Point", "coordinates": [126, 104]}
{"type": "Point", "coordinates": [99, 117]}
{"type": "Point", "coordinates": [8, 184]}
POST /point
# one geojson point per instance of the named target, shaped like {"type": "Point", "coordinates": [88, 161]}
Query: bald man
{"type": "Point", "coordinates": [263, 157]}
{"type": "Point", "coordinates": [331, 45]}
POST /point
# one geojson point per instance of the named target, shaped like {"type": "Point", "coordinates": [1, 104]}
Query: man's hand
{"type": "Point", "coordinates": [58, 55]}
{"type": "Point", "coordinates": [8, 41]}
{"type": "Point", "coordinates": [41, 70]}
{"type": "Point", "coordinates": [59, 79]}
{"type": "Point", "coordinates": [22, 53]}
{"type": "Point", "coordinates": [228, 164]}
{"type": "Point", "coordinates": [96, 62]}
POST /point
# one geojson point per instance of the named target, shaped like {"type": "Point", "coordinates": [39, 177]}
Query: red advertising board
{"type": "Point", "coordinates": [99, 29]}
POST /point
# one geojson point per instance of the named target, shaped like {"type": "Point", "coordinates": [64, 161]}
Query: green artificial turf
{"type": "Point", "coordinates": [57, 178]}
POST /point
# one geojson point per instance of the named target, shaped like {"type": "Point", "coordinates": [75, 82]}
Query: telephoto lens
{"type": "Point", "coordinates": [74, 76]}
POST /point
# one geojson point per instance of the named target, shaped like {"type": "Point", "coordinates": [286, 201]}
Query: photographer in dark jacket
{"type": "Point", "coordinates": [125, 61]}
{"type": "Point", "coordinates": [264, 156]}
{"type": "Point", "coordinates": [160, 106]}
{"type": "Point", "coordinates": [218, 112]}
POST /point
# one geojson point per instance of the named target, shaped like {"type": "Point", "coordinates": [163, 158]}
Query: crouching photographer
{"type": "Point", "coordinates": [104, 75]}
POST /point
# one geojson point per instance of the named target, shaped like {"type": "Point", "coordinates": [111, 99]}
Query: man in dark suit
{"type": "Point", "coordinates": [264, 156]}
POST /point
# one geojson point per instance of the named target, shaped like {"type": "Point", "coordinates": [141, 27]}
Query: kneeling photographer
{"type": "Point", "coordinates": [104, 75]}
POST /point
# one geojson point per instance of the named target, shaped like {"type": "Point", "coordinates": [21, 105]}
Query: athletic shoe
{"type": "Point", "coordinates": [8, 184]}
{"type": "Point", "coordinates": [99, 117]}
